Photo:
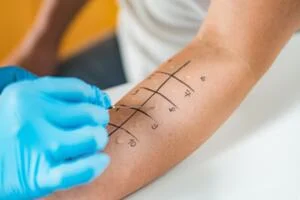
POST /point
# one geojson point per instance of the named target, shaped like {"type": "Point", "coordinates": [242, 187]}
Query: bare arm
{"type": "Point", "coordinates": [54, 18]}
{"type": "Point", "coordinates": [42, 42]}
{"type": "Point", "coordinates": [209, 79]}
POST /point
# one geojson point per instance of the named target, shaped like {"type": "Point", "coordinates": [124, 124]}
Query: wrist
{"type": "Point", "coordinates": [37, 53]}
{"type": "Point", "coordinates": [43, 37]}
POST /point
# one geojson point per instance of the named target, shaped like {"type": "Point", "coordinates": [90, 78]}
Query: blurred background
{"type": "Point", "coordinates": [17, 16]}
{"type": "Point", "coordinates": [89, 49]}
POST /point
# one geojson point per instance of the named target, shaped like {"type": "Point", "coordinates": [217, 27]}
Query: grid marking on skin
{"type": "Point", "coordinates": [176, 78]}
{"type": "Point", "coordinates": [146, 101]}
{"type": "Point", "coordinates": [136, 109]}
{"type": "Point", "coordinates": [160, 94]}
{"type": "Point", "coordinates": [121, 128]}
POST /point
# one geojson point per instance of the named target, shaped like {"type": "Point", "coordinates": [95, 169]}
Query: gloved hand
{"type": "Point", "coordinates": [9, 75]}
{"type": "Point", "coordinates": [51, 130]}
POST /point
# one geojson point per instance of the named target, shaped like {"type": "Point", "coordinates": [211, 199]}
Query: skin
{"type": "Point", "coordinates": [177, 135]}
{"type": "Point", "coordinates": [235, 46]}
{"type": "Point", "coordinates": [39, 50]}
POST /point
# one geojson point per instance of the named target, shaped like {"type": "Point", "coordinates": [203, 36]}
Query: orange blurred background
{"type": "Point", "coordinates": [16, 17]}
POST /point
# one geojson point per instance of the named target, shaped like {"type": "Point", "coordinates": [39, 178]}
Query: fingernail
{"type": "Point", "coordinates": [106, 100]}
{"type": "Point", "coordinates": [101, 98]}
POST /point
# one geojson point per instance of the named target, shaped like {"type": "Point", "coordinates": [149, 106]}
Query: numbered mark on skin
{"type": "Point", "coordinates": [154, 126]}
{"type": "Point", "coordinates": [187, 93]}
{"type": "Point", "coordinates": [172, 109]}
{"type": "Point", "coordinates": [132, 143]}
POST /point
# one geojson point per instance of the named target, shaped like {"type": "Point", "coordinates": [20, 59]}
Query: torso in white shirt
{"type": "Point", "coordinates": [150, 31]}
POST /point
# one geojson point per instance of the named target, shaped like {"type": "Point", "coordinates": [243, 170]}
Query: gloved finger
{"type": "Point", "coordinates": [12, 74]}
{"type": "Point", "coordinates": [75, 173]}
{"type": "Point", "coordinates": [73, 90]}
{"type": "Point", "coordinates": [77, 115]}
{"type": "Point", "coordinates": [67, 145]}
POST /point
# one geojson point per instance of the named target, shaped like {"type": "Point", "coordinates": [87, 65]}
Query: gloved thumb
{"type": "Point", "coordinates": [13, 74]}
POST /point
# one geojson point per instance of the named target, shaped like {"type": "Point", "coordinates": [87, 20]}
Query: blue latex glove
{"type": "Point", "coordinates": [51, 130]}
{"type": "Point", "coordinates": [11, 74]}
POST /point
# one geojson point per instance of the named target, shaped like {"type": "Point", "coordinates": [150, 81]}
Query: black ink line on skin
{"type": "Point", "coordinates": [121, 128]}
{"type": "Point", "coordinates": [176, 78]}
{"type": "Point", "coordinates": [163, 96]}
{"type": "Point", "coordinates": [139, 110]}
{"type": "Point", "coordinates": [146, 101]}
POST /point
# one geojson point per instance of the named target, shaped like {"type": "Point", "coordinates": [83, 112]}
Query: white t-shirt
{"type": "Point", "coordinates": [151, 31]}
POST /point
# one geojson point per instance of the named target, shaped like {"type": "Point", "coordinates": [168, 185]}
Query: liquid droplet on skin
{"type": "Point", "coordinates": [120, 140]}
{"type": "Point", "coordinates": [133, 97]}
{"type": "Point", "coordinates": [149, 108]}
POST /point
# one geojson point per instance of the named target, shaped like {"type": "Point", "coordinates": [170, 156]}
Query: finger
{"type": "Point", "coordinates": [13, 74]}
{"type": "Point", "coordinates": [72, 116]}
{"type": "Point", "coordinates": [68, 145]}
{"type": "Point", "coordinates": [73, 90]}
{"type": "Point", "coordinates": [75, 173]}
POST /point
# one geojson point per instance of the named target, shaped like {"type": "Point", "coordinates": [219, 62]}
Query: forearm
{"type": "Point", "coordinates": [53, 19]}
{"type": "Point", "coordinates": [217, 83]}
{"type": "Point", "coordinates": [218, 69]}
{"type": "Point", "coordinates": [253, 30]}
{"type": "Point", "coordinates": [38, 52]}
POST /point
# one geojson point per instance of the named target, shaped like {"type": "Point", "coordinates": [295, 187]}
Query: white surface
{"type": "Point", "coordinates": [255, 155]}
